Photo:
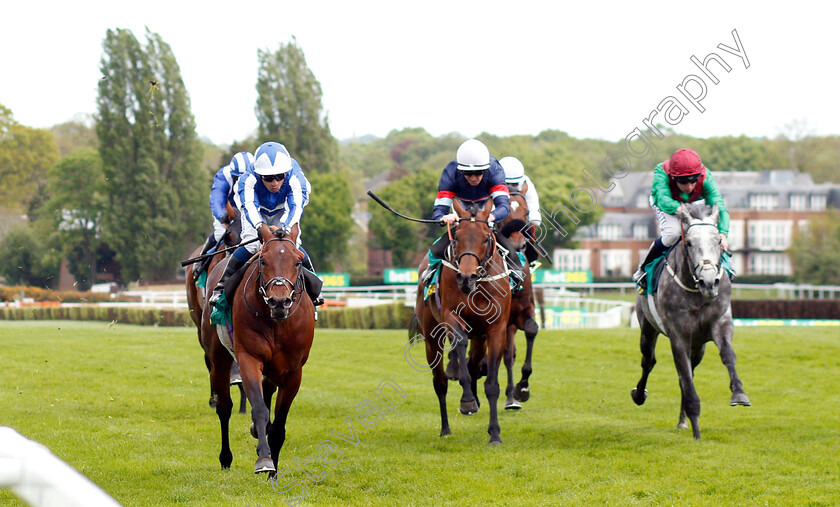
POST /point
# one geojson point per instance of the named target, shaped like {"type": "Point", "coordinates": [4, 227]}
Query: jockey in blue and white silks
{"type": "Point", "coordinates": [282, 208]}
{"type": "Point", "coordinates": [223, 192]}
{"type": "Point", "coordinates": [272, 192]}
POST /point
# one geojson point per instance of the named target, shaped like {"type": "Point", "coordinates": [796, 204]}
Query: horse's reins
{"type": "Point", "coordinates": [295, 288]}
{"type": "Point", "coordinates": [491, 251]}
{"type": "Point", "coordinates": [707, 264]}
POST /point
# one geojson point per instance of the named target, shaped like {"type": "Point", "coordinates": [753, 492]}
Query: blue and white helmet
{"type": "Point", "coordinates": [272, 158]}
{"type": "Point", "coordinates": [240, 163]}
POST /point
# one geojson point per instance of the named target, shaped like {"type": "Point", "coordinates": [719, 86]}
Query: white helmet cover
{"type": "Point", "coordinates": [514, 170]}
{"type": "Point", "coordinates": [272, 158]}
{"type": "Point", "coordinates": [472, 155]}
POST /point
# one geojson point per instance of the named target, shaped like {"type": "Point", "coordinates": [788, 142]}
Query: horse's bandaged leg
{"type": "Point", "coordinates": [224, 337]}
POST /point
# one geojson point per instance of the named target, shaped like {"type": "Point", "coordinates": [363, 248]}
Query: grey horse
{"type": "Point", "coordinates": [690, 307]}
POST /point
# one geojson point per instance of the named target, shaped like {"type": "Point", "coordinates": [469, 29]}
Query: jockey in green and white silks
{"type": "Point", "coordinates": [680, 179]}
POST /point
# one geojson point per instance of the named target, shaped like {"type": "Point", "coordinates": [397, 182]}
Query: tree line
{"type": "Point", "coordinates": [126, 190]}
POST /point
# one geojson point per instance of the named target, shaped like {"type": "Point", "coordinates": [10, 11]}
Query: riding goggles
{"type": "Point", "coordinates": [273, 177]}
{"type": "Point", "coordinates": [472, 173]}
{"type": "Point", "coordinates": [684, 180]}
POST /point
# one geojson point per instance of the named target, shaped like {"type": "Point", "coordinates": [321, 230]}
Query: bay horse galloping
{"type": "Point", "coordinates": [690, 307]}
{"type": "Point", "coordinates": [274, 325]}
{"type": "Point", "coordinates": [196, 295]}
{"type": "Point", "coordinates": [522, 313]}
{"type": "Point", "coordinates": [474, 305]}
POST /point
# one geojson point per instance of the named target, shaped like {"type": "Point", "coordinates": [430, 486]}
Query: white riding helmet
{"type": "Point", "coordinates": [240, 163]}
{"type": "Point", "coordinates": [472, 155]}
{"type": "Point", "coordinates": [514, 170]}
{"type": "Point", "coordinates": [272, 158]}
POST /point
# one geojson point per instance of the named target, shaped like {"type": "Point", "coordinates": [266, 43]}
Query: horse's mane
{"type": "Point", "coordinates": [472, 207]}
{"type": "Point", "coordinates": [698, 210]}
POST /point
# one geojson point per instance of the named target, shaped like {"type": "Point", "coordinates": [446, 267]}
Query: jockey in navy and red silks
{"type": "Point", "coordinates": [222, 193]}
{"type": "Point", "coordinates": [272, 193]}
{"type": "Point", "coordinates": [474, 175]}
{"type": "Point", "coordinates": [682, 178]}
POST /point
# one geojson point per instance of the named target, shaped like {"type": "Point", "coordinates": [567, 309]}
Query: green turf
{"type": "Point", "coordinates": [127, 407]}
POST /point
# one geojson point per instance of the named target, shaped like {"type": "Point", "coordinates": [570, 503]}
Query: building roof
{"type": "Point", "coordinates": [632, 191]}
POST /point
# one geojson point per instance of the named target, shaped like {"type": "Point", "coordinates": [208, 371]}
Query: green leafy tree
{"type": "Point", "coordinates": [412, 195]}
{"type": "Point", "coordinates": [28, 258]}
{"type": "Point", "coordinates": [156, 186]}
{"type": "Point", "coordinates": [815, 251]}
{"type": "Point", "coordinates": [289, 109]}
{"type": "Point", "coordinates": [26, 154]}
{"type": "Point", "coordinates": [326, 222]}
{"type": "Point", "coordinates": [75, 134]}
{"type": "Point", "coordinates": [76, 211]}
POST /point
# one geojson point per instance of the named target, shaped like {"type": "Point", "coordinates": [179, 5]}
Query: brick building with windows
{"type": "Point", "coordinates": [766, 209]}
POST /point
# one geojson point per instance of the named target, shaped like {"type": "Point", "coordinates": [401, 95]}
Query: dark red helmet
{"type": "Point", "coordinates": [684, 162]}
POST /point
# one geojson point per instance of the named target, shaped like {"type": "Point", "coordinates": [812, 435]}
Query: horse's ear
{"type": "Point", "coordinates": [523, 189]}
{"type": "Point", "coordinates": [486, 209]}
{"type": "Point", "coordinates": [459, 208]}
{"type": "Point", "coordinates": [294, 232]}
{"type": "Point", "coordinates": [265, 232]}
{"type": "Point", "coordinates": [715, 214]}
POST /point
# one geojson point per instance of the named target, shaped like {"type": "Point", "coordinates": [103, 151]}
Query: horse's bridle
{"type": "Point", "coordinates": [295, 288]}
{"type": "Point", "coordinates": [706, 264]}
{"type": "Point", "coordinates": [489, 251]}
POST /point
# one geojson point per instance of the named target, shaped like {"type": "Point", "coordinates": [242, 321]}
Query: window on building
{"type": "Point", "coordinates": [818, 202]}
{"type": "Point", "coordinates": [609, 231]}
{"type": "Point", "coordinates": [764, 201]}
{"type": "Point", "coordinates": [567, 259]}
{"type": "Point", "coordinates": [736, 235]}
{"type": "Point", "coordinates": [640, 231]}
{"type": "Point", "coordinates": [616, 262]}
{"type": "Point", "coordinates": [798, 202]}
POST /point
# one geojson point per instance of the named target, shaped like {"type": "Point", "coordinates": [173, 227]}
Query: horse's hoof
{"type": "Point", "coordinates": [682, 426]}
{"type": "Point", "coordinates": [264, 465]}
{"type": "Point", "coordinates": [494, 442]}
{"type": "Point", "coordinates": [254, 430]}
{"type": "Point", "coordinates": [469, 407]}
{"type": "Point", "coordinates": [739, 399]}
{"type": "Point", "coordinates": [638, 398]}
{"type": "Point", "coordinates": [521, 393]}
{"type": "Point", "coordinates": [512, 405]}
{"type": "Point", "coordinates": [235, 379]}
{"type": "Point", "coordinates": [445, 432]}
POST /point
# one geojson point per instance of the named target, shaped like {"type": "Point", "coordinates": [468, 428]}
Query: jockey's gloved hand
{"type": "Point", "coordinates": [491, 221]}
{"type": "Point", "coordinates": [450, 219]}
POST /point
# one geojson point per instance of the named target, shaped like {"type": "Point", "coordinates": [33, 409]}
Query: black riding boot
{"type": "Point", "coordinates": [655, 250]}
{"type": "Point", "coordinates": [201, 266]}
{"type": "Point", "coordinates": [315, 283]}
{"type": "Point", "coordinates": [233, 265]}
{"type": "Point", "coordinates": [517, 273]}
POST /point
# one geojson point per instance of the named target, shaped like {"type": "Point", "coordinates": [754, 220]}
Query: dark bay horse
{"type": "Point", "coordinates": [522, 307]}
{"type": "Point", "coordinates": [274, 325]}
{"type": "Point", "coordinates": [474, 306]}
{"type": "Point", "coordinates": [691, 307]}
{"type": "Point", "coordinates": [196, 295]}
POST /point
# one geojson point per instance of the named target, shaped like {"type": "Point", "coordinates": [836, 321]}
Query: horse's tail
{"type": "Point", "coordinates": [413, 326]}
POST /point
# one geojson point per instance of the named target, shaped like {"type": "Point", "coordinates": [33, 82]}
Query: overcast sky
{"type": "Point", "coordinates": [594, 69]}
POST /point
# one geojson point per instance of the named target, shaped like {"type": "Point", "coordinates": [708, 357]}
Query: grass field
{"type": "Point", "coordinates": [127, 407]}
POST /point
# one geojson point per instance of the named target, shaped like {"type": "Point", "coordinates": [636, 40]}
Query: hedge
{"type": "Point", "coordinates": [786, 309]}
{"type": "Point", "coordinates": [393, 316]}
